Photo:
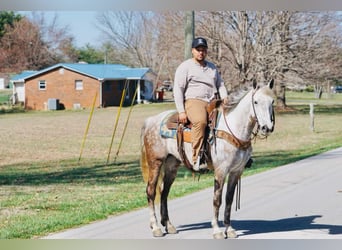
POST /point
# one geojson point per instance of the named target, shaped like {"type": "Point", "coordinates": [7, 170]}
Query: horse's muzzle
{"type": "Point", "coordinates": [265, 130]}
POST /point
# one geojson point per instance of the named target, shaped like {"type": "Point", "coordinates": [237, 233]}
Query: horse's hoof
{"type": "Point", "coordinates": [171, 229]}
{"type": "Point", "coordinates": [157, 232]}
{"type": "Point", "coordinates": [231, 233]}
{"type": "Point", "coordinates": [219, 236]}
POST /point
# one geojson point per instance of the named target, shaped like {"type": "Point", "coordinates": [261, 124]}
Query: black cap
{"type": "Point", "coordinates": [199, 41]}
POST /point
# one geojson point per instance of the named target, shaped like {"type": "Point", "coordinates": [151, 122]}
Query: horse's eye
{"type": "Point", "coordinates": [255, 102]}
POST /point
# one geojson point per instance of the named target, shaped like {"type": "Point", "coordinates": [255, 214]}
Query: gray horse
{"type": "Point", "coordinates": [231, 151]}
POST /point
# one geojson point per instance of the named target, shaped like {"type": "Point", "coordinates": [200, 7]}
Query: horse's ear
{"type": "Point", "coordinates": [254, 83]}
{"type": "Point", "coordinates": [271, 84]}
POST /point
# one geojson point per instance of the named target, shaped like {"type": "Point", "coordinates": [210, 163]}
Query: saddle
{"type": "Point", "coordinates": [184, 133]}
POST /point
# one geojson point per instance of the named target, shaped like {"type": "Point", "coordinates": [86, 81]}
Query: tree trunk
{"type": "Point", "coordinates": [280, 93]}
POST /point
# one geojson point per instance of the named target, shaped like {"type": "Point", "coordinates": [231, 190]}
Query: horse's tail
{"type": "Point", "coordinates": [143, 164]}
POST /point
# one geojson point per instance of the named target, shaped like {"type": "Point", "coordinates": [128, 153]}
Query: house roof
{"type": "Point", "coordinates": [20, 77]}
{"type": "Point", "coordinates": [98, 71]}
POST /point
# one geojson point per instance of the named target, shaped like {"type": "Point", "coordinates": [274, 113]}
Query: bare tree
{"type": "Point", "coordinates": [291, 47]}
{"type": "Point", "coordinates": [33, 43]}
{"type": "Point", "coordinates": [133, 32]}
{"type": "Point", "coordinates": [317, 38]}
{"type": "Point", "coordinates": [230, 35]}
{"type": "Point", "coordinates": [263, 30]}
{"type": "Point", "coordinates": [58, 40]}
{"type": "Point", "coordinates": [22, 47]}
{"type": "Point", "coordinates": [171, 46]}
{"type": "Point", "coordinates": [146, 39]}
{"type": "Point", "coordinates": [282, 54]}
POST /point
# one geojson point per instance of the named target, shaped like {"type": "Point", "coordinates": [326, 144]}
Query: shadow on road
{"type": "Point", "coordinates": [271, 226]}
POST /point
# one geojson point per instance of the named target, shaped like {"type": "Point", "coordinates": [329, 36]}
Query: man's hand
{"type": "Point", "coordinates": [182, 117]}
{"type": "Point", "coordinates": [226, 101]}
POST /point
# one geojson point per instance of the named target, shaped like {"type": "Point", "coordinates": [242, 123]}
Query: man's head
{"type": "Point", "coordinates": [199, 49]}
{"type": "Point", "coordinates": [199, 41]}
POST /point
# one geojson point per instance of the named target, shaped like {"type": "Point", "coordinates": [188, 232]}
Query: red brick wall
{"type": "Point", "coordinates": [60, 84]}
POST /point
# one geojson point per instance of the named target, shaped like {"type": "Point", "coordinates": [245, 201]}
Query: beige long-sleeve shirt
{"type": "Point", "coordinates": [193, 81]}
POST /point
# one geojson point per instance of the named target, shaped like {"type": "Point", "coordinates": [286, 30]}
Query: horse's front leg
{"type": "Point", "coordinates": [171, 167]}
{"type": "Point", "coordinates": [218, 187]}
{"type": "Point", "coordinates": [231, 185]}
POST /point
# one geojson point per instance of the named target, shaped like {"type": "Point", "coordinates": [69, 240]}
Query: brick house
{"type": "Point", "coordinates": [69, 86]}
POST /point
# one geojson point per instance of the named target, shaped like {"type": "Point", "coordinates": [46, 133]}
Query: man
{"type": "Point", "coordinates": [196, 83]}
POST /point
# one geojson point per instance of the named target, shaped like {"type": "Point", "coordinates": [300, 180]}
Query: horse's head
{"type": "Point", "coordinates": [262, 103]}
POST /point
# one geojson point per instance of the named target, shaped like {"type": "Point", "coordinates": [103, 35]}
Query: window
{"type": "Point", "coordinates": [78, 84]}
{"type": "Point", "coordinates": [42, 85]}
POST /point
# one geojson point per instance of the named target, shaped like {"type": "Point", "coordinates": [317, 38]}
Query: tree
{"type": "Point", "coordinates": [229, 33]}
{"type": "Point", "coordinates": [145, 39]}
{"type": "Point", "coordinates": [282, 54]}
{"type": "Point", "coordinates": [133, 32]}
{"type": "Point", "coordinates": [33, 43]}
{"type": "Point", "coordinates": [22, 48]}
{"type": "Point", "coordinates": [57, 39]}
{"type": "Point", "coordinates": [317, 43]}
{"type": "Point", "coordinates": [294, 48]}
{"type": "Point", "coordinates": [90, 54]}
{"type": "Point", "coordinates": [171, 44]}
{"type": "Point", "coordinates": [7, 18]}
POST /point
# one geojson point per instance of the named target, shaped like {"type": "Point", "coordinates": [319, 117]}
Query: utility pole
{"type": "Point", "coordinates": [189, 28]}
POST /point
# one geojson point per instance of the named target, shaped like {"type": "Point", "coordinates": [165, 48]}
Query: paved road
{"type": "Point", "coordinates": [302, 200]}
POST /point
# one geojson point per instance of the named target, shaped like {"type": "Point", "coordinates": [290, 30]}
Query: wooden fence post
{"type": "Point", "coordinates": [312, 117]}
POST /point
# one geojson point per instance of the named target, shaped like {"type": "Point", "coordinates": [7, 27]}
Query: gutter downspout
{"type": "Point", "coordinates": [100, 94]}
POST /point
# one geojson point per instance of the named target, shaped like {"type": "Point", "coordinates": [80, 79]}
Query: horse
{"type": "Point", "coordinates": [160, 158]}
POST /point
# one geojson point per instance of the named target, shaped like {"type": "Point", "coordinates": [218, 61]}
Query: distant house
{"type": "Point", "coordinates": [19, 87]}
{"type": "Point", "coordinates": [69, 86]}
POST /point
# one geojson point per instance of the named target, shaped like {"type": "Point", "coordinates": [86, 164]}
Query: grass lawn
{"type": "Point", "coordinates": [44, 188]}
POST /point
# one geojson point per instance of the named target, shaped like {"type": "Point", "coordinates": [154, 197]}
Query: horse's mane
{"type": "Point", "coordinates": [234, 98]}
{"type": "Point", "coordinates": [237, 95]}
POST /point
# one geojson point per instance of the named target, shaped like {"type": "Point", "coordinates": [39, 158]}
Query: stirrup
{"type": "Point", "coordinates": [200, 165]}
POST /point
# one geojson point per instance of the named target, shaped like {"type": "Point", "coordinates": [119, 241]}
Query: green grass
{"type": "Point", "coordinates": [44, 198]}
{"type": "Point", "coordinates": [38, 196]}
{"type": "Point", "coordinates": [5, 95]}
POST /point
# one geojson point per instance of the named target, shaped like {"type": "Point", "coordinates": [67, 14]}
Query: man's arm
{"type": "Point", "coordinates": [179, 88]}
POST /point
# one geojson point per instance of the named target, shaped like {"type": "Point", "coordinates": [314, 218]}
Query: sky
{"type": "Point", "coordinates": [82, 25]}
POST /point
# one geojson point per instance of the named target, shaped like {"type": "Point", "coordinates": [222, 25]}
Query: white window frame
{"type": "Point", "coordinates": [79, 84]}
{"type": "Point", "coordinates": [42, 85]}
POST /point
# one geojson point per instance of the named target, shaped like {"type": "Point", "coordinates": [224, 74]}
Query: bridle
{"type": "Point", "coordinates": [255, 133]}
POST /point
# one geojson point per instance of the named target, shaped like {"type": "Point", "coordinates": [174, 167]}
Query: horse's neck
{"type": "Point", "coordinates": [239, 119]}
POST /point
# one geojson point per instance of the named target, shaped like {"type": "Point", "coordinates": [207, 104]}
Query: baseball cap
{"type": "Point", "coordinates": [199, 41]}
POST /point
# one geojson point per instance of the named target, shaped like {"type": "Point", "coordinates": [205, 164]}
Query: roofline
{"type": "Point", "coordinates": [83, 73]}
{"type": "Point", "coordinates": [63, 65]}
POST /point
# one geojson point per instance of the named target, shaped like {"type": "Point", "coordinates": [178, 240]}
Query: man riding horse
{"type": "Point", "coordinates": [197, 82]}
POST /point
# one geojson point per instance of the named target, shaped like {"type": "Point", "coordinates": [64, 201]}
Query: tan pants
{"type": "Point", "coordinates": [196, 111]}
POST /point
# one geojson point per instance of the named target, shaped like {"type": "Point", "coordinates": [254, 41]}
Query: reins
{"type": "Point", "coordinates": [232, 138]}
{"type": "Point", "coordinates": [255, 134]}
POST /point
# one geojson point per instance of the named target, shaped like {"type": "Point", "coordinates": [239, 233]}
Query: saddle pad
{"type": "Point", "coordinates": [172, 133]}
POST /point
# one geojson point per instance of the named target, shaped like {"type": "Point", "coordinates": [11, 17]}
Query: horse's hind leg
{"type": "Point", "coordinates": [231, 185]}
{"type": "Point", "coordinates": [170, 167]}
{"type": "Point", "coordinates": [151, 191]}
